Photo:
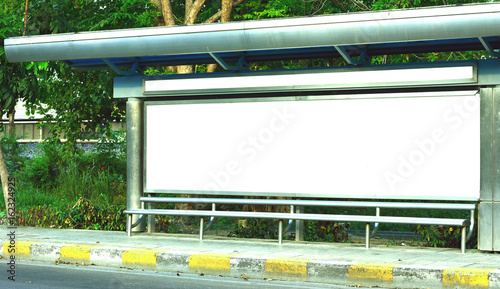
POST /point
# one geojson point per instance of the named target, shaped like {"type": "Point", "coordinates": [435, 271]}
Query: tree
{"type": "Point", "coordinates": [17, 81]}
{"type": "Point", "coordinates": [82, 97]}
{"type": "Point", "coordinates": [84, 106]}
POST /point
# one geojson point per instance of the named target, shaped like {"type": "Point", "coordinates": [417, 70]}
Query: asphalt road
{"type": "Point", "coordinates": [43, 275]}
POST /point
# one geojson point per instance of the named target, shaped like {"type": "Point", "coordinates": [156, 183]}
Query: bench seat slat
{"type": "Point", "coordinates": [319, 217]}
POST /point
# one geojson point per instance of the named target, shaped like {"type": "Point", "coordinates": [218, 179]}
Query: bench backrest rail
{"type": "Point", "coordinates": [358, 204]}
{"type": "Point", "coordinates": [310, 217]}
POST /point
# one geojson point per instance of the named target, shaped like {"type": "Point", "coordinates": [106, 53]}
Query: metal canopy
{"type": "Point", "coordinates": [448, 28]}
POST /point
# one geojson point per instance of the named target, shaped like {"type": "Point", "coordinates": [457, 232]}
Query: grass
{"type": "Point", "coordinates": [58, 177]}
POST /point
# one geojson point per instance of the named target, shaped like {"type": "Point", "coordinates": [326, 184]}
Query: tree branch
{"type": "Point", "coordinates": [76, 4]}
{"type": "Point", "coordinates": [168, 14]}
{"type": "Point", "coordinates": [187, 8]}
{"type": "Point", "coordinates": [218, 15]}
{"type": "Point", "coordinates": [193, 12]}
{"type": "Point", "coordinates": [25, 17]}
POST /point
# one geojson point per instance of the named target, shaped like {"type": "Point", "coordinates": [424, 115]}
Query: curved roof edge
{"type": "Point", "coordinates": [383, 27]}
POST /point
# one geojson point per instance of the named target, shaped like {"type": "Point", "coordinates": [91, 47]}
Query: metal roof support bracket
{"type": "Point", "coordinates": [488, 48]}
{"type": "Point", "coordinates": [364, 59]}
{"type": "Point", "coordinates": [242, 64]}
{"type": "Point", "coordinates": [134, 71]}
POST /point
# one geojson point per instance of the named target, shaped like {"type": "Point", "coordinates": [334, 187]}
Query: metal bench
{"type": "Point", "coordinates": [293, 215]}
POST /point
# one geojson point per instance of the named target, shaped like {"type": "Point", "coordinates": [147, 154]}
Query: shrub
{"type": "Point", "coordinates": [256, 228]}
{"type": "Point", "coordinates": [13, 153]}
{"type": "Point", "coordinates": [82, 215]}
{"type": "Point", "coordinates": [324, 231]}
{"type": "Point", "coordinates": [440, 236]}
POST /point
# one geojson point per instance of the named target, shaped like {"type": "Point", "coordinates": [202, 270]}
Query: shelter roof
{"type": "Point", "coordinates": [436, 29]}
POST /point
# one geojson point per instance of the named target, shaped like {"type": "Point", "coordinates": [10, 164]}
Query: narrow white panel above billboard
{"type": "Point", "coordinates": [364, 77]}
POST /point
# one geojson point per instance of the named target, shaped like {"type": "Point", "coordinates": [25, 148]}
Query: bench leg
{"type": "Point", "coordinates": [280, 232]}
{"type": "Point", "coordinates": [151, 218]}
{"type": "Point", "coordinates": [129, 225]}
{"type": "Point", "coordinates": [464, 241]}
{"type": "Point", "coordinates": [367, 236]}
{"type": "Point", "coordinates": [201, 229]}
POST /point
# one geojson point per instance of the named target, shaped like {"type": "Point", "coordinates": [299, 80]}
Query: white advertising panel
{"type": "Point", "coordinates": [396, 146]}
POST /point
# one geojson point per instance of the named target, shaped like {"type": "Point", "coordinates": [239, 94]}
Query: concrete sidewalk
{"type": "Point", "coordinates": [338, 263]}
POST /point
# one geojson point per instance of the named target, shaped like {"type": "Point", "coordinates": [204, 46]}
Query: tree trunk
{"type": "Point", "coordinates": [4, 171]}
{"type": "Point", "coordinates": [218, 15]}
{"type": "Point", "coordinates": [187, 8]}
{"type": "Point", "coordinates": [168, 15]}
{"type": "Point", "coordinates": [211, 67]}
{"type": "Point", "coordinates": [181, 69]}
{"type": "Point", "coordinates": [4, 176]}
{"type": "Point", "coordinates": [227, 7]}
{"type": "Point", "coordinates": [192, 11]}
{"type": "Point", "coordinates": [11, 123]}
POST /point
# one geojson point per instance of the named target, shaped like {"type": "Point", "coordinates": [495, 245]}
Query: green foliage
{"type": "Point", "coordinates": [44, 169]}
{"type": "Point", "coordinates": [13, 153]}
{"type": "Point", "coordinates": [256, 228]}
{"type": "Point", "coordinates": [27, 196]}
{"type": "Point", "coordinates": [82, 97]}
{"type": "Point", "coordinates": [82, 215]}
{"type": "Point", "coordinates": [324, 231]}
{"type": "Point", "coordinates": [317, 231]}
{"type": "Point", "coordinates": [398, 4]}
{"type": "Point", "coordinates": [445, 236]}
{"type": "Point", "coordinates": [56, 175]}
{"type": "Point", "coordinates": [165, 224]}
{"type": "Point", "coordinates": [41, 216]}
{"type": "Point", "coordinates": [252, 10]}
{"type": "Point", "coordinates": [440, 236]}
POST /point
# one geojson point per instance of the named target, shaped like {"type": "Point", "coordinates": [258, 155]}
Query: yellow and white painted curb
{"type": "Point", "coordinates": [238, 265]}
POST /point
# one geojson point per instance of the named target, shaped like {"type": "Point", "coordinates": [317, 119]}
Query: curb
{"type": "Point", "coordinates": [245, 266]}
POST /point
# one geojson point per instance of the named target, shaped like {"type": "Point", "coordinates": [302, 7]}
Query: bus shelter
{"type": "Point", "coordinates": [409, 131]}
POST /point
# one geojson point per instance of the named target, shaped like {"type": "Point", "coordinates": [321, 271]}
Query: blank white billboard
{"type": "Point", "coordinates": [396, 146]}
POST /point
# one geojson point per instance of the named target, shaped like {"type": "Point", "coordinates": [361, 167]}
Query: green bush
{"type": "Point", "coordinates": [13, 153]}
{"type": "Point", "coordinates": [82, 215]}
{"type": "Point", "coordinates": [324, 231]}
{"type": "Point", "coordinates": [57, 176]}
{"type": "Point", "coordinates": [256, 228]}
{"type": "Point", "coordinates": [44, 168]}
{"type": "Point", "coordinates": [440, 236]}
{"type": "Point", "coordinates": [444, 236]}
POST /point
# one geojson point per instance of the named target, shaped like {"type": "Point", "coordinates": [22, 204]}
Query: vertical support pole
{"type": "Point", "coordinates": [367, 236]}
{"type": "Point", "coordinates": [495, 216]}
{"type": "Point", "coordinates": [299, 225]}
{"type": "Point", "coordinates": [463, 240]}
{"type": "Point", "coordinates": [280, 232]}
{"type": "Point", "coordinates": [129, 225]}
{"type": "Point", "coordinates": [201, 229]}
{"type": "Point", "coordinates": [135, 152]}
{"type": "Point", "coordinates": [151, 218]}
{"type": "Point", "coordinates": [489, 191]}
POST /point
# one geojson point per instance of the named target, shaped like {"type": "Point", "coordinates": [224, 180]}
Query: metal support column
{"type": "Point", "coordinates": [135, 150]}
{"type": "Point", "coordinates": [489, 203]}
